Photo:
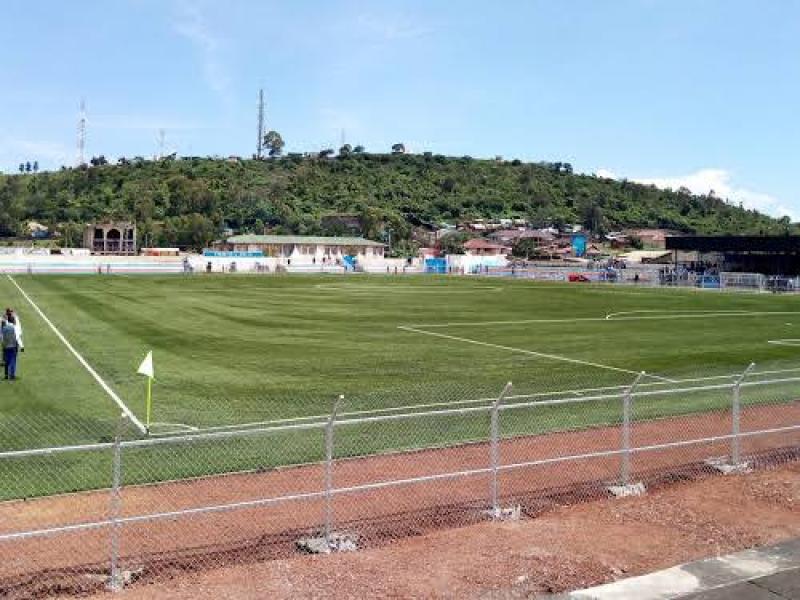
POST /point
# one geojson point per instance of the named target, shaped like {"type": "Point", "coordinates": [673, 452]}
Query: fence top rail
{"type": "Point", "coordinates": [639, 393]}
{"type": "Point", "coordinates": [319, 425]}
{"type": "Point", "coordinates": [29, 452]}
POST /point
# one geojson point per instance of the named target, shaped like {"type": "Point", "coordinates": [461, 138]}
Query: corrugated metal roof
{"type": "Point", "coordinates": [302, 239]}
{"type": "Point", "coordinates": [478, 243]}
{"type": "Point", "coordinates": [640, 255]}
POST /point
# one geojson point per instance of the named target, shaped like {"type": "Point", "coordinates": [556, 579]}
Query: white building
{"type": "Point", "coordinates": [303, 249]}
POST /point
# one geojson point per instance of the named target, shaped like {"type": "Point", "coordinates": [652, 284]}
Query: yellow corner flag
{"type": "Point", "coordinates": [146, 369]}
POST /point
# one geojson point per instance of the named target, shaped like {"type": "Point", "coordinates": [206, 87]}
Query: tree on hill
{"type": "Point", "coordinates": [346, 150]}
{"type": "Point", "coordinates": [525, 248]}
{"type": "Point", "coordinates": [274, 142]}
{"type": "Point", "coordinates": [593, 218]}
{"type": "Point", "coordinates": [398, 148]}
{"type": "Point", "coordinates": [452, 243]}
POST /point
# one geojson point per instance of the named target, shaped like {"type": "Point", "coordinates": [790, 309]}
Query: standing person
{"type": "Point", "coordinates": [12, 345]}
{"type": "Point", "coordinates": [6, 317]}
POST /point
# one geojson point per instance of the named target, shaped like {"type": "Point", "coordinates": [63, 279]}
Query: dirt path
{"type": "Point", "coordinates": [565, 548]}
{"type": "Point", "coordinates": [169, 548]}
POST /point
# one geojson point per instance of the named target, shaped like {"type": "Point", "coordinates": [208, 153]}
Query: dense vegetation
{"type": "Point", "coordinates": [188, 202]}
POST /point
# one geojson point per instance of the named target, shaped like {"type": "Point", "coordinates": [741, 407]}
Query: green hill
{"type": "Point", "coordinates": [188, 201]}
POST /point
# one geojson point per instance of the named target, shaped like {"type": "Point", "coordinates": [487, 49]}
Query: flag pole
{"type": "Point", "coordinates": [149, 400]}
{"type": "Point", "coordinates": [146, 369]}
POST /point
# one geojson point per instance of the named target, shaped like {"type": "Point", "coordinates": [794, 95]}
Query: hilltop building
{"type": "Point", "coordinates": [111, 238]}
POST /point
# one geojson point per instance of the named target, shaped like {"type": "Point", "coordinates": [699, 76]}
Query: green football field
{"type": "Point", "coordinates": [232, 350]}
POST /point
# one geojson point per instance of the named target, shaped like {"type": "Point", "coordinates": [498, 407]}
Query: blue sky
{"type": "Point", "coordinates": [703, 93]}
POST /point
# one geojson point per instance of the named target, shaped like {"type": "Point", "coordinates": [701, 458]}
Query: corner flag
{"type": "Point", "coordinates": [146, 369]}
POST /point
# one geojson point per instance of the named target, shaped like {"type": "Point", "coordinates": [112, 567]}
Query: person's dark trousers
{"type": "Point", "coordinates": [10, 360]}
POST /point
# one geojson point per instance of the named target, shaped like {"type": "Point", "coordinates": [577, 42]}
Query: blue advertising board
{"type": "Point", "coordinates": [233, 253]}
{"type": "Point", "coordinates": [436, 265]}
{"type": "Point", "coordinates": [579, 244]}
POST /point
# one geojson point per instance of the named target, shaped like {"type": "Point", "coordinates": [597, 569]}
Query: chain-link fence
{"type": "Point", "coordinates": [130, 508]}
{"type": "Point", "coordinates": [651, 275]}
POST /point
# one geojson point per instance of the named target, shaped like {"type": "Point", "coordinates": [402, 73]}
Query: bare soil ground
{"type": "Point", "coordinates": [417, 539]}
{"type": "Point", "coordinates": [565, 548]}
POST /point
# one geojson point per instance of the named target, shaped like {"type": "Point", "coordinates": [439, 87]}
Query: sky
{"type": "Point", "coordinates": [697, 93]}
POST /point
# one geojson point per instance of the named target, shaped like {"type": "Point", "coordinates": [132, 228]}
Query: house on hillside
{"type": "Point", "coordinates": [652, 238]}
{"type": "Point", "coordinates": [509, 237]}
{"type": "Point", "coordinates": [481, 247]}
{"type": "Point", "coordinates": [617, 239]}
{"type": "Point", "coordinates": [37, 231]}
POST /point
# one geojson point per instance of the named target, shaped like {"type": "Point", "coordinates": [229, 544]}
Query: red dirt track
{"type": "Point", "coordinates": [161, 549]}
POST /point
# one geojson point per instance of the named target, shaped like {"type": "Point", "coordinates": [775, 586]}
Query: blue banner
{"type": "Point", "coordinates": [233, 253]}
{"type": "Point", "coordinates": [436, 265]}
{"type": "Point", "coordinates": [579, 244]}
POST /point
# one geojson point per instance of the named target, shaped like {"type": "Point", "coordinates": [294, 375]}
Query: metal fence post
{"type": "Point", "coordinates": [494, 445]}
{"type": "Point", "coordinates": [115, 583]}
{"type": "Point", "coordinates": [329, 469]}
{"type": "Point", "coordinates": [736, 417]}
{"type": "Point", "coordinates": [625, 474]}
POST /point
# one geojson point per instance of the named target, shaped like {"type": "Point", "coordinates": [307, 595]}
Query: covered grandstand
{"type": "Point", "coordinates": [770, 255]}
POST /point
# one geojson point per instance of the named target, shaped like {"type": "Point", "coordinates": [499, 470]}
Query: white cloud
{"type": "Point", "coordinates": [191, 24]}
{"type": "Point", "coordinates": [720, 182]}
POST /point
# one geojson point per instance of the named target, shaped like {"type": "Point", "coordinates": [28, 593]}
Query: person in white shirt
{"type": "Point", "coordinates": [11, 340]}
{"type": "Point", "coordinates": [9, 312]}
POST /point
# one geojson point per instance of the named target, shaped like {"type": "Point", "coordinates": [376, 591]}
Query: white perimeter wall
{"type": "Point", "coordinates": [33, 263]}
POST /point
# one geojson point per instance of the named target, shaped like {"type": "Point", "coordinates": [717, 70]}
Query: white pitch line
{"type": "Point", "coordinates": [530, 352]}
{"type": "Point", "coordinates": [410, 289]}
{"type": "Point", "coordinates": [694, 314]}
{"type": "Point", "coordinates": [785, 342]}
{"type": "Point", "coordinates": [407, 407]}
{"type": "Point", "coordinates": [111, 393]}
{"type": "Point", "coordinates": [604, 319]}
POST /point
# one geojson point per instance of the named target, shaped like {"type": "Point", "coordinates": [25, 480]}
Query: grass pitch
{"type": "Point", "coordinates": [231, 350]}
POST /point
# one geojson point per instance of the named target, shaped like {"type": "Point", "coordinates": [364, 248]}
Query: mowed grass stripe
{"type": "Point", "coordinates": [233, 349]}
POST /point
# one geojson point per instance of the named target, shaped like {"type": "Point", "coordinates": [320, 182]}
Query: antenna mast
{"type": "Point", "coordinates": [260, 145]}
{"type": "Point", "coordinates": [82, 134]}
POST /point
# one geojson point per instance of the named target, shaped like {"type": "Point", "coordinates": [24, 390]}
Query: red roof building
{"type": "Point", "coordinates": [481, 247]}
